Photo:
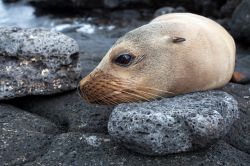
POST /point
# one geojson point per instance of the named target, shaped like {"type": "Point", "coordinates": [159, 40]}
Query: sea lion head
{"type": "Point", "coordinates": [132, 69]}
{"type": "Point", "coordinates": [173, 54]}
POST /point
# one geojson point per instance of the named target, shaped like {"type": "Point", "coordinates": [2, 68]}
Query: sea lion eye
{"type": "Point", "coordinates": [124, 60]}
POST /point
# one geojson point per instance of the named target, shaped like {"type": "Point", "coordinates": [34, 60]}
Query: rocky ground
{"type": "Point", "coordinates": [61, 129]}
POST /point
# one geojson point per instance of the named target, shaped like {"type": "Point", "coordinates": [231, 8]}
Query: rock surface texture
{"type": "Point", "coordinates": [69, 111]}
{"type": "Point", "coordinates": [23, 135]}
{"type": "Point", "coordinates": [110, 4]}
{"type": "Point", "coordinates": [239, 134]}
{"type": "Point", "coordinates": [36, 61]}
{"type": "Point", "coordinates": [29, 139]}
{"type": "Point", "coordinates": [240, 22]}
{"type": "Point", "coordinates": [173, 125]}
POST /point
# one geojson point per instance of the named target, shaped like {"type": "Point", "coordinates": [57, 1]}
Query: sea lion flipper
{"type": "Point", "coordinates": [242, 77]}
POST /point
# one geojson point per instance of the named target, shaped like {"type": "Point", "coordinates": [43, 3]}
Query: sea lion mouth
{"type": "Point", "coordinates": [105, 89]}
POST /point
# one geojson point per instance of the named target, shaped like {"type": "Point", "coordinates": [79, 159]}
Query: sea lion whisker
{"type": "Point", "coordinates": [117, 85]}
{"type": "Point", "coordinates": [130, 82]}
{"type": "Point", "coordinates": [160, 90]}
{"type": "Point", "coordinates": [135, 95]}
{"type": "Point", "coordinates": [147, 94]}
{"type": "Point", "coordinates": [126, 99]}
{"type": "Point", "coordinates": [150, 94]}
{"type": "Point", "coordinates": [111, 102]}
{"type": "Point", "coordinates": [98, 99]}
{"type": "Point", "coordinates": [108, 101]}
{"type": "Point", "coordinates": [106, 97]}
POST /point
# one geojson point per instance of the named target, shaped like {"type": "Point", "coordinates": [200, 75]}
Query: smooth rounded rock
{"type": "Point", "coordinates": [172, 125]}
{"type": "Point", "coordinates": [36, 62]}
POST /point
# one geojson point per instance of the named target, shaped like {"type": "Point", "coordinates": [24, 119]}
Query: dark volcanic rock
{"type": "Point", "coordinates": [125, 3]}
{"type": "Point", "coordinates": [23, 136]}
{"type": "Point", "coordinates": [167, 9]}
{"type": "Point", "coordinates": [36, 61]}
{"type": "Point", "coordinates": [228, 8]}
{"type": "Point", "coordinates": [205, 7]}
{"type": "Point", "coordinates": [216, 9]}
{"type": "Point", "coordinates": [240, 23]}
{"type": "Point", "coordinates": [208, 7]}
{"type": "Point", "coordinates": [243, 69]}
{"type": "Point", "coordinates": [172, 125]}
{"type": "Point", "coordinates": [10, 1]}
{"type": "Point", "coordinates": [29, 140]}
{"type": "Point", "coordinates": [106, 3]}
{"type": "Point", "coordinates": [96, 150]}
{"type": "Point", "coordinates": [74, 149]}
{"type": "Point", "coordinates": [69, 111]}
{"type": "Point", "coordinates": [239, 135]}
{"type": "Point", "coordinates": [88, 4]}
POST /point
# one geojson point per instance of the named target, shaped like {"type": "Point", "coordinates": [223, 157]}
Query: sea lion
{"type": "Point", "coordinates": [171, 55]}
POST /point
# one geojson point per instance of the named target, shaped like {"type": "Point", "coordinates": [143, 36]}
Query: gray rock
{"type": "Point", "coordinates": [172, 125]}
{"type": "Point", "coordinates": [228, 8]}
{"type": "Point", "coordinates": [27, 139]}
{"type": "Point", "coordinates": [88, 4]}
{"type": "Point", "coordinates": [167, 9]}
{"type": "Point", "coordinates": [240, 23]}
{"type": "Point", "coordinates": [243, 67]}
{"type": "Point", "coordinates": [98, 149]}
{"type": "Point", "coordinates": [207, 7]}
{"type": "Point", "coordinates": [239, 134]}
{"type": "Point", "coordinates": [69, 111]}
{"type": "Point", "coordinates": [218, 154]}
{"type": "Point", "coordinates": [124, 3]}
{"type": "Point", "coordinates": [93, 149]}
{"type": "Point", "coordinates": [47, 4]}
{"type": "Point", "coordinates": [191, 5]}
{"type": "Point", "coordinates": [36, 61]}
{"type": "Point", "coordinates": [10, 1]}
{"type": "Point", "coordinates": [23, 136]}
{"type": "Point", "coordinates": [73, 149]}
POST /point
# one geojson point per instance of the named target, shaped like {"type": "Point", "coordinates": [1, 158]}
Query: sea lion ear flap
{"type": "Point", "coordinates": [178, 39]}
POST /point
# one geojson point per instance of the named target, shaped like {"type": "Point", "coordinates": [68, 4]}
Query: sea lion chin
{"type": "Point", "coordinates": [173, 54]}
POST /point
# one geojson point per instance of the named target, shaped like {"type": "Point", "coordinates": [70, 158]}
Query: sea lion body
{"type": "Point", "coordinates": [163, 65]}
